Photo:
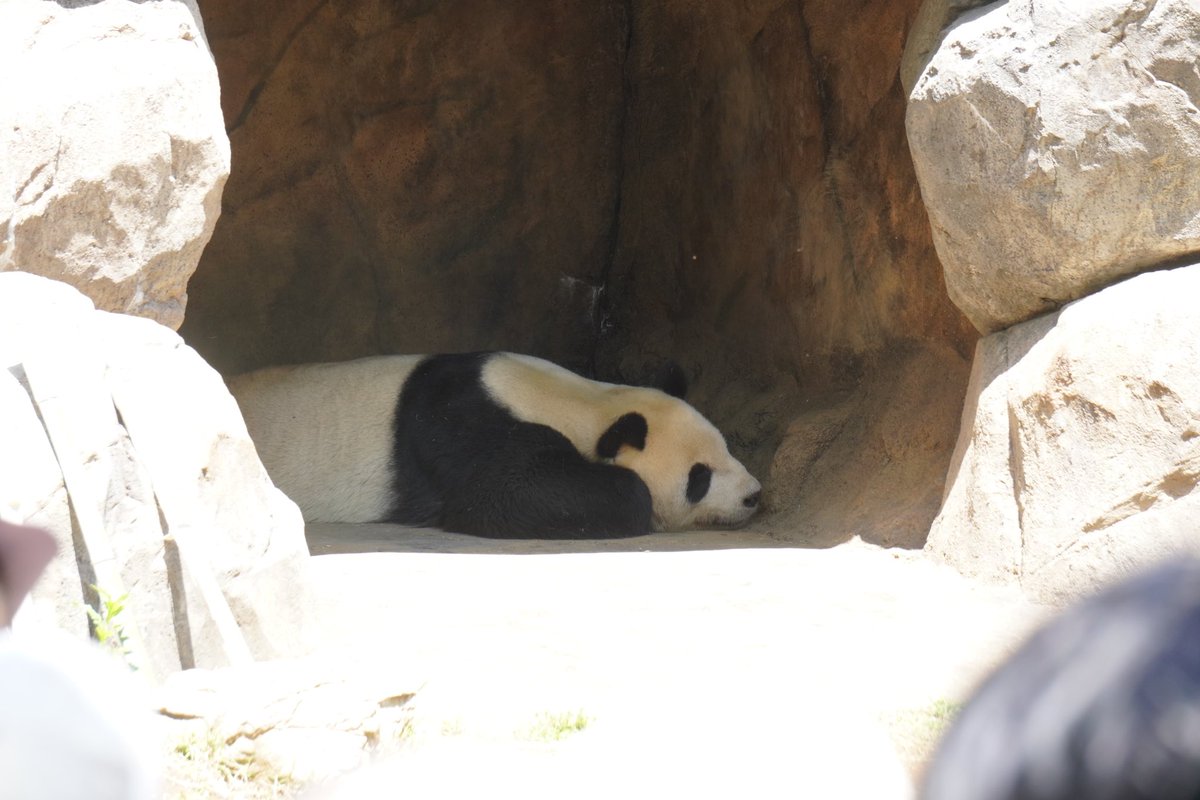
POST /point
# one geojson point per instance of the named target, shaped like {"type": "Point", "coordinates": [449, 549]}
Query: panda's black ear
{"type": "Point", "coordinates": [671, 379]}
{"type": "Point", "coordinates": [628, 430]}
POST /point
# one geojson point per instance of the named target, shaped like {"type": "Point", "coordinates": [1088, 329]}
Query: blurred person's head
{"type": "Point", "coordinates": [24, 553]}
{"type": "Point", "coordinates": [1101, 704]}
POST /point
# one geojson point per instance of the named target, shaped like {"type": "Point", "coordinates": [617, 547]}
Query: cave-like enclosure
{"type": "Point", "coordinates": [605, 184]}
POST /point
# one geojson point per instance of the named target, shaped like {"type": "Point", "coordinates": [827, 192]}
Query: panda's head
{"type": "Point", "coordinates": [682, 458]}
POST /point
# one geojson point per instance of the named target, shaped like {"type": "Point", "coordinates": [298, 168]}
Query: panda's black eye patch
{"type": "Point", "coordinates": [699, 477]}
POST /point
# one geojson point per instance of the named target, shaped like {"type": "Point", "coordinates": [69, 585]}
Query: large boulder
{"type": "Point", "coordinates": [113, 151]}
{"type": "Point", "coordinates": [124, 444]}
{"type": "Point", "coordinates": [1079, 453]}
{"type": "Point", "coordinates": [1057, 146]}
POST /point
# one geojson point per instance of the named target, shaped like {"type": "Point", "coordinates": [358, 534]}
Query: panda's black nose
{"type": "Point", "coordinates": [752, 500]}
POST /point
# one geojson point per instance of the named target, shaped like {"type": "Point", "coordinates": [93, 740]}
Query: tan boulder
{"type": "Point", "coordinates": [926, 34]}
{"type": "Point", "coordinates": [1057, 146]}
{"type": "Point", "coordinates": [123, 443]}
{"type": "Point", "coordinates": [1079, 451]}
{"type": "Point", "coordinates": [113, 151]}
{"type": "Point", "coordinates": [33, 491]}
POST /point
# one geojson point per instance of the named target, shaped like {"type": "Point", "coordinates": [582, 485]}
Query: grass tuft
{"type": "Point", "coordinates": [554, 727]}
{"type": "Point", "coordinates": [206, 766]}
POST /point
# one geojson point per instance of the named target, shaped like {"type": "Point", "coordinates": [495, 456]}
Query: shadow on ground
{"type": "Point", "coordinates": [341, 538]}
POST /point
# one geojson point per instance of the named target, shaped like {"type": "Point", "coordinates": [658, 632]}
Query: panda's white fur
{"type": "Point", "coordinates": [324, 432]}
{"type": "Point", "coordinates": [327, 434]}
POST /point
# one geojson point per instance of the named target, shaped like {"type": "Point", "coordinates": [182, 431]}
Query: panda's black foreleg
{"type": "Point", "coordinates": [550, 494]}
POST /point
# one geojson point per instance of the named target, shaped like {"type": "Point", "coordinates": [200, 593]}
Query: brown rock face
{"type": "Point", "coordinates": [410, 177]}
{"type": "Point", "coordinates": [605, 184]}
{"type": "Point", "coordinates": [769, 206]}
{"type": "Point", "coordinates": [773, 239]}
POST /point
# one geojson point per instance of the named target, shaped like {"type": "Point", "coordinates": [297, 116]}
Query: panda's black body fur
{"type": "Point", "coordinates": [464, 463]}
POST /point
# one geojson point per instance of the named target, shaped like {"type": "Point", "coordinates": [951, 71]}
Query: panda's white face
{"type": "Point", "coordinates": [681, 457]}
{"type": "Point", "coordinates": [694, 482]}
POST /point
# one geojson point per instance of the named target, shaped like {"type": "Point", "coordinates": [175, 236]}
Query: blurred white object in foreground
{"type": "Point", "coordinates": [73, 723]}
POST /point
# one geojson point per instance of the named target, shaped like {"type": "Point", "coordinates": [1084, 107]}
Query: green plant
{"type": "Point", "coordinates": [553, 727]}
{"type": "Point", "coordinates": [198, 747]}
{"type": "Point", "coordinates": [106, 627]}
{"type": "Point", "coordinates": [210, 767]}
{"type": "Point", "coordinates": [405, 731]}
{"type": "Point", "coordinates": [940, 713]}
{"type": "Point", "coordinates": [916, 731]}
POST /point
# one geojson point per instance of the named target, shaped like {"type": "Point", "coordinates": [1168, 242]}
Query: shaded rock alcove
{"type": "Point", "coordinates": [606, 185]}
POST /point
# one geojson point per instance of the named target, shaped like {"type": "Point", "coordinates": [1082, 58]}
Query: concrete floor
{"type": "Point", "coordinates": [719, 656]}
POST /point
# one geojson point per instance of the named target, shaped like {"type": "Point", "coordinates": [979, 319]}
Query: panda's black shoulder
{"type": "Point", "coordinates": [442, 422]}
{"type": "Point", "coordinates": [445, 412]}
{"type": "Point", "coordinates": [452, 378]}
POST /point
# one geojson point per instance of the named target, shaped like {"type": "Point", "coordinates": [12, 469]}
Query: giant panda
{"type": "Point", "coordinates": [490, 444]}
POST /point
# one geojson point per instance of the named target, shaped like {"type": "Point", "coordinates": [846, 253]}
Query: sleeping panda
{"type": "Point", "coordinates": [490, 444]}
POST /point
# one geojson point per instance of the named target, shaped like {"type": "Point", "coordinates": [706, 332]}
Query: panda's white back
{"type": "Point", "coordinates": [313, 421]}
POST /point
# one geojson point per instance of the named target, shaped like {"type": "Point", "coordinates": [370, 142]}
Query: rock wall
{"type": "Point", "coordinates": [772, 238]}
{"type": "Point", "coordinates": [770, 218]}
{"type": "Point", "coordinates": [112, 150]}
{"type": "Point", "coordinates": [411, 177]}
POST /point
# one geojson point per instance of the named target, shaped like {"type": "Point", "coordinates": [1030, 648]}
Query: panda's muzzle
{"type": "Point", "coordinates": [737, 518]}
